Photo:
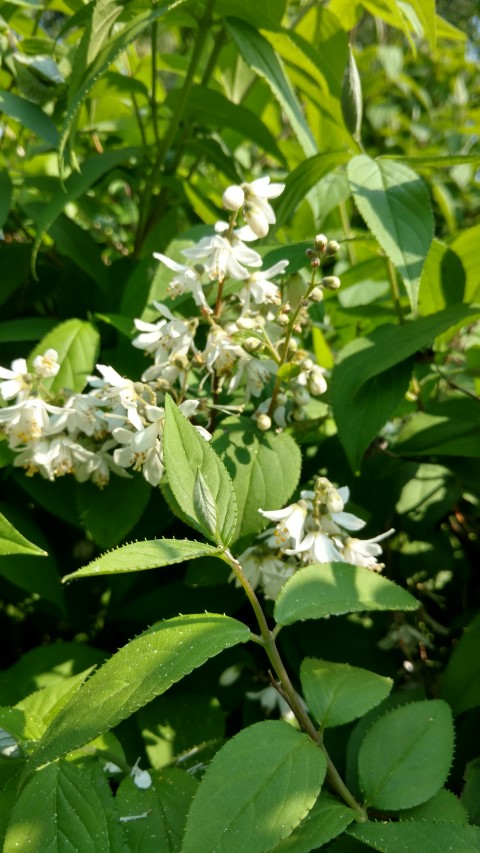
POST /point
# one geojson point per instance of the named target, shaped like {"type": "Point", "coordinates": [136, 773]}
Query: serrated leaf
{"type": "Point", "coordinates": [394, 203]}
{"type": "Point", "coordinates": [77, 343]}
{"type": "Point", "coordinates": [44, 705]}
{"type": "Point", "coordinates": [364, 359]}
{"type": "Point", "coordinates": [303, 178]}
{"type": "Point", "coordinates": [261, 58]}
{"type": "Point", "coordinates": [185, 454]}
{"type": "Point", "coordinates": [154, 818]}
{"type": "Point", "coordinates": [204, 505]}
{"type": "Point", "coordinates": [58, 809]}
{"type": "Point", "coordinates": [327, 819]}
{"type": "Point", "coordinates": [138, 556]}
{"type": "Point", "coordinates": [264, 467]}
{"type": "Point", "coordinates": [461, 682]}
{"type": "Point", "coordinates": [351, 100]}
{"type": "Point", "coordinates": [444, 806]}
{"type": "Point", "coordinates": [424, 836]}
{"type": "Point", "coordinates": [257, 788]}
{"type": "Point", "coordinates": [337, 693]}
{"type": "Point", "coordinates": [12, 542]}
{"type": "Point", "coordinates": [146, 667]}
{"type": "Point", "coordinates": [330, 589]}
{"type": "Point", "coordinates": [405, 757]}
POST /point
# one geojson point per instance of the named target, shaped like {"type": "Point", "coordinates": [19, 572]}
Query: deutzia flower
{"type": "Point", "coordinates": [256, 210]}
{"type": "Point", "coordinates": [258, 373]}
{"type": "Point", "coordinates": [97, 465]}
{"type": "Point", "coordinates": [260, 288]}
{"type": "Point", "coordinates": [119, 393]}
{"type": "Point", "coordinates": [47, 364]}
{"type": "Point", "coordinates": [222, 257]}
{"type": "Point", "coordinates": [291, 524]}
{"type": "Point", "coordinates": [141, 778]}
{"type": "Point", "coordinates": [141, 451]}
{"type": "Point", "coordinates": [364, 552]}
{"type": "Point", "coordinates": [18, 381]}
{"type": "Point", "coordinates": [167, 337]}
{"type": "Point", "coordinates": [221, 351]}
{"type": "Point", "coordinates": [29, 420]}
{"type": "Point", "coordinates": [187, 280]}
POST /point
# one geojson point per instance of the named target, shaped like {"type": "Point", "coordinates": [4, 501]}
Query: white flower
{"type": "Point", "coordinates": [96, 466]}
{"type": "Point", "coordinates": [46, 364]}
{"type": "Point", "coordinates": [187, 281]}
{"type": "Point", "coordinates": [260, 287]}
{"type": "Point", "coordinates": [222, 257]}
{"type": "Point", "coordinates": [119, 393]}
{"type": "Point", "coordinates": [85, 414]}
{"type": "Point", "coordinates": [53, 457]}
{"type": "Point", "coordinates": [18, 381]}
{"type": "Point", "coordinates": [318, 547]}
{"type": "Point", "coordinates": [347, 520]}
{"type": "Point", "coordinates": [29, 420]}
{"type": "Point", "coordinates": [221, 351]}
{"type": "Point", "coordinates": [275, 573]}
{"type": "Point", "coordinates": [141, 451]}
{"type": "Point", "coordinates": [257, 211]}
{"type": "Point", "coordinates": [279, 412]}
{"type": "Point", "coordinates": [291, 524]}
{"type": "Point", "coordinates": [364, 552]}
{"type": "Point", "coordinates": [166, 338]}
{"type": "Point", "coordinates": [258, 374]}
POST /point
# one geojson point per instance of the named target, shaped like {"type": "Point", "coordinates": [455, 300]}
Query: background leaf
{"type": "Point", "coordinates": [77, 343]}
{"type": "Point", "coordinates": [337, 693]}
{"type": "Point", "coordinates": [394, 203]}
{"type": "Point", "coordinates": [12, 542]}
{"type": "Point", "coordinates": [422, 835]}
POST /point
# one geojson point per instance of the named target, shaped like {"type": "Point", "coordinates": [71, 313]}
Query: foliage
{"type": "Point", "coordinates": [183, 408]}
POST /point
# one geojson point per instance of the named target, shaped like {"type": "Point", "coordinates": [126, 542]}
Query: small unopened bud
{"type": "Point", "coordinates": [307, 364]}
{"type": "Point", "coordinates": [233, 198]}
{"type": "Point", "coordinates": [138, 387]}
{"type": "Point", "coordinates": [264, 422]}
{"type": "Point", "coordinates": [310, 253]}
{"type": "Point", "coordinates": [316, 295]}
{"type": "Point", "coordinates": [320, 243]}
{"type": "Point", "coordinates": [301, 396]}
{"type": "Point", "coordinates": [282, 319]}
{"type": "Point", "coordinates": [252, 345]}
{"type": "Point", "coordinates": [315, 263]}
{"type": "Point", "coordinates": [162, 384]}
{"type": "Point", "coordinates": [333, 501]}
{"type": "Point", "coordinates": [333, 247]}
{"type": "Point", "coordinates": [281, 399]}
{"type": "Point", "coordinates": [180, 361]}
{"type": "Point", "coordinates": [246, 323]}
{"type": "Point", "coordinates": [316, 382]}
{"type": "Point", "coordinates": [256, 219]}
{"type": "Point", "coordinates": [292, 345]}
{"type": "Point", "coordinates": [298, 414]}
{"type": "Point", "coordinates": [331, 282]}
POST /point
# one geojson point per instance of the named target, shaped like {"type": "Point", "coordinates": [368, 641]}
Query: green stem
{"type": "Point", "coordinates": [346, 230]}
{"type": "Point", "coordinates": [289, 692]}
{"type": "Point", "coordinates": [153, 101]}
{"type": "Point", "coordinates": [175, 120]}
{"type": "Point", "coordinates": [393, 281]}
{"type": "Point", "coordinates": [287, 338]}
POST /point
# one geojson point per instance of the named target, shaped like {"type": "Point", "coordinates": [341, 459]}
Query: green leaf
{"type": "Point", "coordinates": [330, 589]}
{"type": "Point", "coordinates": [466, 247]}
{"type": "Point", "coordinates": [264, 467]}
{"type": "Point", "coordinates": [29, 115]}
{"type": "Point", "coordinates": [5, 196]}
{"type": "Point", "coordinates": [213, 109]}
{"type": "Point", "coordinates": [443, 806]}
{"type": "Point", "coordinates": [471, 791]}
{"type": "Point", "coordinates": [76, 185]}
{"type": "Point", "coordinates": [425, 12]}
{"type": "Point", "coordinates": [337, 693]}
{"type": "Point", "coordinates": [12, 542]}
{"type": "Point", "coordinates": [138, 556]}
{"type": "Point", "coordinates": [352, 102]}
{"type": "Point", "coordinates": [163, 806]}
{"type": "Point", "coordinates": [261, 58]}
{"type": "Point", "coordinates": [427, 837]}
{"type": "Point", "coordinates": [113, 48]}
{"type": "Point", "coordinates": [405, 756]}
{"type": "Point", "coordinates": [258, 787]}
{"type": "Point", "coordinates": [78, 245]}
{"type": "Point", "coordinates": [304, 178]}
{"type": "Point", "coordinates": [449, 429]}
{"type": "Point", "coordinates": [141, 670]}
{"type": "Point", "coordinates": [179, 725]}
{"type": "Point", "coordinates": [461, 683]}
{"type": "Point", "coordinates": [58, 809]}
{"type": "Point", "coordinates": [25, 329]}
{"type": "Point", "coordinates": [101, 19]}
{"type": "Point", "coordinates": [442, 281]}
{"type": "Point", "coordinates": [77, 343]}
{"type": "Point", "coordinates": [374, 356]}
{"type": "Point", "coordinates": [327, 819]}
{"type": "Point", "coordinates": [185, 454]}
{"type": "Point", "coordinates": [44, 705]}
{"type": "Point", "coordinates": [109, 514]}
{"type": "Point", "coordinates": [394, 203]}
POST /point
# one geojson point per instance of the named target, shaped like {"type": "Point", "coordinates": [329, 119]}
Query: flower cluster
{"type": "Point", "coordinates": [314, 529]}
{"type": "Point", "coordinates": [222, 350]}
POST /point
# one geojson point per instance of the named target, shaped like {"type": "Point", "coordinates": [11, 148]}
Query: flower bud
{"type": "Point", "coordinates": [316, 383]}
{"type": "Point", "coordinates": [310, 253]}
{"type": "Point", "coordinates": [320, 243]}
{"type": "Point", "coordinates": [331, 282]}
{"type": "Point", "coordinates": [246, 323]}
{"type": "Point", "coordinates": [282, 319]}
{"type": "Point", "coordinates": [256, 219]}
{"type": "Point", "coordinates": [180, 361]}
{"type": "Point", "coordinates": [233, 198]}
{"type": "Point", "coordinates": [264, 422]}
{"type": "Point", "coordinates": [333, 501]}
{"type": "Point", "coordinates": [292, 345]}
{"type": "Point", "coordinates": [252, 345]}
{"type": "Point", "coordinates": [301, 396]}
{"type": "Point", "coordinates": [316, 295]}
{"type": "Point", "coordinates": [333, 247]}
{"type": "Point", "coordinates": [315, 263]}
{"type": "Point", "coordinates": [307, 364]}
